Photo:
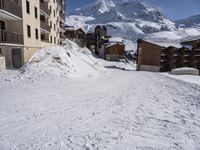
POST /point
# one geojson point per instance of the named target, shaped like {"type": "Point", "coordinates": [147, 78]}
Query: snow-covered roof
{"type": "Point", "coordinates": [116, 40]}
{"type": "Point", "coordinates": [112, 44]}
{"type": "Point", "coordinates": [163, 43]}
{"type": "Point", "coordinates": [190, 38]}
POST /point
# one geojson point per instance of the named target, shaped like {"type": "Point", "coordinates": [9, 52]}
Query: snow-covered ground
{"type": "Point", "coordinates": [187, 78]}
{"type": "Point", "coordinates": [114, 109]}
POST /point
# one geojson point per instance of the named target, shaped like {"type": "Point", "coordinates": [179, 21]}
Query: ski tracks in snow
{"type": "Point", "coordinates": [123, 110]}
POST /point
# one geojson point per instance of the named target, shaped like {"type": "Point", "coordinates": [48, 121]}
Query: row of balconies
{"type": "Point", "coordinates": [11, 8]}
{"type": "Point", "coordinates": [12, 11]}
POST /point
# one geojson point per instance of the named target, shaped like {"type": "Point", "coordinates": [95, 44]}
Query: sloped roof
{"type": "Point", "coordinates": [162, 43]}
{"type": "Point", "coordinates": [190, 39]}
{"type": "Point", "coordinates": [112, 44]}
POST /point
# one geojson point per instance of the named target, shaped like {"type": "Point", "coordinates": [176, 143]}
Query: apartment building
{"type": "Point", "coordinates": [161, 57]}
{"type": "Point", "coordinates": [28, 25]}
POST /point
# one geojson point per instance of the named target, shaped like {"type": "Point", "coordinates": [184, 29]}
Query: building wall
{"type": "Point", "coordinates": [115, 52]}
{"type": "Point", "coordinates": [55, 21]}
{"type": "Point", "coordinates": [148, 54]}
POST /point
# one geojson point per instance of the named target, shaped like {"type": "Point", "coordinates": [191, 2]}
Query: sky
{"type": "Point", "coordinates": [173, 9]}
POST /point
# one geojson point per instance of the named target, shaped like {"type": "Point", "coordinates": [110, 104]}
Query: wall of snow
{"type": "Point", "coordinates": [185, 71]}
{"type": "Point", "coordinates": [2, 63]}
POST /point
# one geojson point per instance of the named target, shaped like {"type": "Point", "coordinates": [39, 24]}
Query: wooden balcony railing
{"type": "Point", "coordinates": [44, 7]}
{"type": "Point", "coordinates": [11, 7]}
{"type": "Point", "coordinates": [11, 37]}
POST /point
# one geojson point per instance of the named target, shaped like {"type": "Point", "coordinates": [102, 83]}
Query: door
{"type": "Point", "coordinates": [16, 58]}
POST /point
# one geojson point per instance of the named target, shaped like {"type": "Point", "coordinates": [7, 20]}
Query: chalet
{"type": "Point", "coordinates": [115, 51]}
{"type": "Point", "coordinates": [76, 35]}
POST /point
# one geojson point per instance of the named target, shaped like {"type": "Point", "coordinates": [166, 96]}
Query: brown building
{"type": "Point", "coordinates": [194, 45]}
{"type": "Point", "coordinates": [157, 57]}
{"type": "Point", "coordinates": [76, 35]}
{"type": "Point", "coordinates": [115, 52]}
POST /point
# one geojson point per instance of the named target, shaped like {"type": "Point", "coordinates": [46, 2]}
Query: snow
{"type": "Point", "coordinates": [71, 60]}
{"type": "Point", "coordinates": [185, 71]}
{"type": "Point", "coordinates": [120, 109]}
{"type": "Point", "coordinates": [186, 78]}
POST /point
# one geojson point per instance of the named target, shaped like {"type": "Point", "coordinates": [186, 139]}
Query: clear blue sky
{"type": "Point", "coordinates": [173, 9]}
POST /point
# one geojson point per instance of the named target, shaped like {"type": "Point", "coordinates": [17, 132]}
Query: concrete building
{"type": "Point", "coordinates": [28, 25]}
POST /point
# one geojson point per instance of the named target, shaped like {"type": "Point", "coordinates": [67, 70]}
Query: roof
{"type": "Point", "coordinates": [163, 43]}
{"type": "Point", "coordinates": [116, 40]}
{"type": "Point", "coordinates": [190, 39]}
{"type": "Point", "coordinates": [112, 44]}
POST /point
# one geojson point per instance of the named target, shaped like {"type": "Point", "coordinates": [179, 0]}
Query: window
{"type": "Point", "coordinates": [0, 52]}
{"type": "Point", "coordinates": [50, 24]}
{"type": "Point", "coordinates": [36, 12]}
{"type": "Point", "coordinates": [27, 6]}
{"type": "Point", "coordinates": [54, 40]}
{"type": "Point", "coordinates": [28, 31]}
{"type": "Point", "coordinates": [54, 13]}
{"type": "Point", "coordinates": [50, 39]}
{"type": "Point", "coordinates": [2, 25]}
{"type": "Point", "coordinates": [36, 33]}
{"type": "Point", "coordinates": [50, 9]}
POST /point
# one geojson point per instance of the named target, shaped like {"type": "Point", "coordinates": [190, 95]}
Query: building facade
{"type": "Point", "coordinates": [162, 57]}
{"type": "Point", "coordinates": [28, 25]}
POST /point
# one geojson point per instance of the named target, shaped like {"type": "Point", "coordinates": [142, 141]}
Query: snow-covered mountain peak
{"type": "Point", "coordinates": [105, 5]}
{"type": "Point", "coordinates": [193, 21]}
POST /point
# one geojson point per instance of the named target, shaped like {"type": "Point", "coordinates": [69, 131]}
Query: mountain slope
{"type": "Point", "coordinates": [193, 21]}
{"type": "Point", "coordinates": [128, 20]}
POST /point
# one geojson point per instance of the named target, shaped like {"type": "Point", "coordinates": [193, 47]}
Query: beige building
{"type": "Point", "coordinates": [28, 25]}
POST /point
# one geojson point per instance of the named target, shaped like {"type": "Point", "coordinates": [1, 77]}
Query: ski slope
{"type": "Point", "coordinates": [113, 110]}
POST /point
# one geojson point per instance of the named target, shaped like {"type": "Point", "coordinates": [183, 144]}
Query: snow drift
{"type": "Point", "coordinates": [67, 61]}
{"type": "Point", "coordinates": [185, 71]}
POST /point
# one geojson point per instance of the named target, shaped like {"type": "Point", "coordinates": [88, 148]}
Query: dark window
{"type": "Point", "coordinates": [54, 27]}
{"type": "Point", "coordinates": [36, 12]}
{"type": "Point", "coordinates": [36, 33]}
{"type": "Point", "coordinates": [51, 39]}
{"type": "Point", "coordinates": [0, 52]}
{"type": "Point", "coordinates": [54, 13]}
{"type": "Point", "coordinates": [2, 25]}
{"type": "Point", "coordinates": [28, 31]}
{"type": "Point", "coordinates": [27, 6]}
{"type": "Point", "coordinates": [50, 9]}
{"type": "Point", "coordinates": [50, 24]}
{"type": "Point", "coordinates": [54, 40]}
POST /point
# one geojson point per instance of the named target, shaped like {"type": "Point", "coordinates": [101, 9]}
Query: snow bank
{"type": "Point", "coordinates": [185, 71]}
{"type": "Point", "coordinates": [67, 61]}
{"type": "Point", "coordinates": [2, 63]}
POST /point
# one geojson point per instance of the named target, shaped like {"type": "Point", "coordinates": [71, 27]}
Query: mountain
{"type": "Point", "coordinates": [128, 20]}
{"type": "Point", "coordinates": [193, 21]}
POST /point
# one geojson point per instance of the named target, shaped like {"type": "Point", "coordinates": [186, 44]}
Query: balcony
{"type": "Point", "coordinates": [44, 8]}
{"type": "Point", "coordinates": [10, 10]}
{"type": "Point", "coordinates": [45, 26]}
{"type": "Point", "coordinates": [62, 15]}
{"type": "Point", "coordinates": [45, 37]}
{"type": "Point", "coordinates": [11, 37]}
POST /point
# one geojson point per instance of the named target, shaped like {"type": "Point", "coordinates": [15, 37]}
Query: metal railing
{"type": "Point", "coordinates": [44, 7]}
{"type": "Point", "coordinates": [11, 37]}
{"type": "Point", "coordinates": [11, 7]}
{"type": "Point", "coordinates": [45, 26]}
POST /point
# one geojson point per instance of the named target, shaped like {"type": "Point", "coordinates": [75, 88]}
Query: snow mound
{"type": "Point", "coordinates": [67, 61]}
{"type": "Point", "coordinates": [185, 71]}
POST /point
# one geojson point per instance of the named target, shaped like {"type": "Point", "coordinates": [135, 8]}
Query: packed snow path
{"type": "Point", "coordinates": [122, 110]}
